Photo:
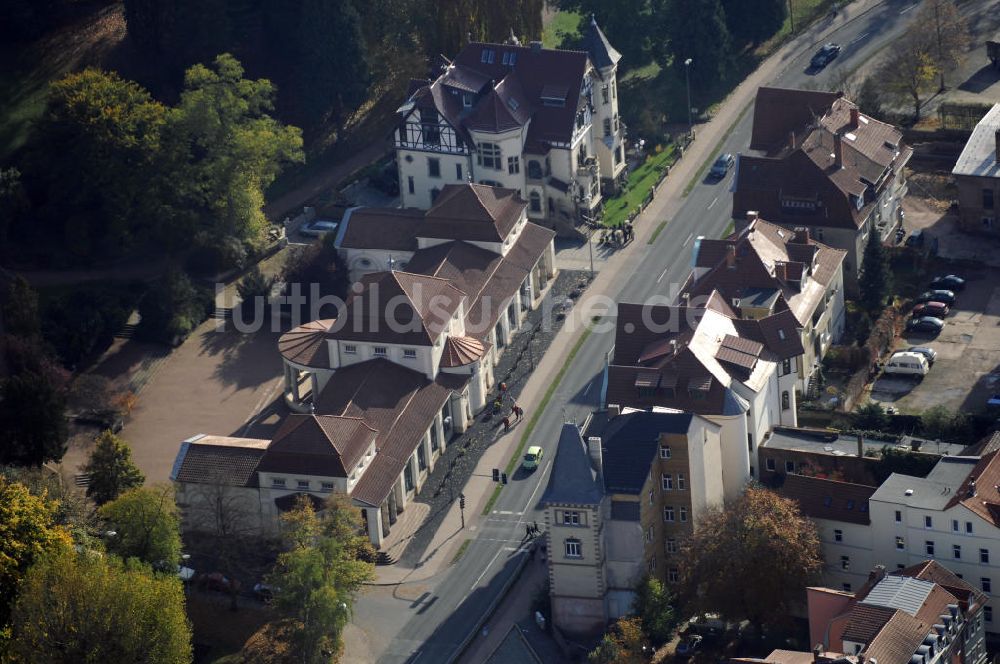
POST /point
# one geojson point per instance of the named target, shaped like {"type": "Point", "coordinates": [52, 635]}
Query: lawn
{"type": "Point", "coordinates": [640, 181]}
{"type": "Point", "coordinates": [561, 26]}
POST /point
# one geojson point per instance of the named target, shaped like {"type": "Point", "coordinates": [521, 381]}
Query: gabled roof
{"type": "Point", "coordinates": [474, 212]}
{"type": "Point", "coordinates": [980, 490]}
{"type": "Point", "coordinates": [779, 111]}
{"type": "Point", "coordinates": [392, 229]}
{"type": "Point", "coordinates": [573, 480]}
{"type": "Point", "coordinates": [219, 460]}
{"type": "Point", "coordinates": [981, 155]}
{"type": "Point", "coordinates": [503, 108]}
{"type": "Point", "coordinates": [601, 52]}
{"type": "Point", "coordinates": [324, 445]}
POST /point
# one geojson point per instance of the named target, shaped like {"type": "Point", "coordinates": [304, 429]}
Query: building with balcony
{"type": "Point", "coordinates": [543, 122]}
{"type": "Point", "coordinates": [821, 164]}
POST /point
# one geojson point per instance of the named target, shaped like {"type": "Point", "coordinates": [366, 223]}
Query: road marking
{"type": "Point", "coordinates": [589, 385]}
{"type": "Point", "coordinates": [712, 204]}
{"type": "Point", "coordinates": [861, 36]}
{"type": "Point", "coordinates": [903, 11]}
{"type": "Point", "coordinates": [505, 512]}
{"type": "Point", "coordinates": [662, 274]}
{"type": "Point", "coordinates": [688, 240]}
{"type": "Point", "coordinates": [488, 566]}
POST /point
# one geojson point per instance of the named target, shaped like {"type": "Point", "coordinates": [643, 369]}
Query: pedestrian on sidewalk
{"type": "Point", "coordinates": [527, 530]}
{"type": "Point", "coordinates": [503, 387]}
{"type": "Point", "coordinates": [518, 412]}
{"type": "Point", "coordinates": [537, 531]}
{"type": "Point", "coordinates": [506, 424]}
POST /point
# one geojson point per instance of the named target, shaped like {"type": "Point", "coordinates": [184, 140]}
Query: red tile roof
{"type": "Point", "coordinates": [778, 111]}
{"type": "Point", "coordinates": [392, 229]}
{"type": "Point", "coordinates": [318, 445]}
{"type": "Point", "coordinates": [980, 491]}
{"type": "Point", "coordinates": [306, 345]}
{"type": "Point", "coordinates": [460, 351]}
{"type": "Point", "coordinates": [474, 212]}
{"type": "Point", "coordinates": [219, 460]}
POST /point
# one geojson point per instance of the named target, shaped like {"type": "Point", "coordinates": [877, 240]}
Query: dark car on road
{"type": "Point", "coordinates": [943, 296]}
{"type": "Point", "coordinates": [722, 166]}
{"type": "Point", "coordinates": [925, 325]}
{"type": "Point", "coordinates": [950, 282]}
{"type": "Point", "coordinates": [825, 55]}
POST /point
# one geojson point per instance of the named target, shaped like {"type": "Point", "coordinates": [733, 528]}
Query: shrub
{"type": "Point", "coordinates": [173, 308]}
{"type": "Point", "coordinates": [212, 255]}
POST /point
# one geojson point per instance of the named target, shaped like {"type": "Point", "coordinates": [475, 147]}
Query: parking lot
{"type": "Point", "coordinates": [967, 369]}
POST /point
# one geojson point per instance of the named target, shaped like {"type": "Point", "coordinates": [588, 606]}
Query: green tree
{"type": "Point", "coordinates": [623, 644]}
{"type": "Point", "coordinates": [943, 27]}
{"type": "Point", "coordinates": [78, 608]}
{"type": "Point", "coordinates": [319, 574]}
{"type": "Point", "coordinates": [179, 33]}
{"type": "Point", "coordinates": [317, 269]}
{"type": "Point", "coordinates": [27, 531]}
{"type": "Point", "coordinates": [172, 308]}
{"type": "Point", "coordinates": [697, 30]}
{"type": "Point", "coordinates": [754, 21]}
{"type": "Point", "coordinates": [225, 149]}
{"type": "Point", "coordinates": [33, 420]}
{"type": "Point", "coordinates": [111, 469]}
{"type": "Point", "coordinates": [876, 278]}
{"type": "Point", "coordinates": [870, 416]}
{"type": "Point", "coordinates": [654, 607]}
{"type": "Point", "coordinates": [14, 202]}
{"type": "Point", "coordinates": [751, 560]}
{"type": "Point", "coordinates": [20, 310]}
{"type": "Point", "coordinates": [146, 526]}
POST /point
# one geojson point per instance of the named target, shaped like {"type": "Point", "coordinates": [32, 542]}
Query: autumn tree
{"type": "Point", "coordinates": [111, 469]}
{"type": "Point", "coordinates": [908, 72]}
{"type": "Point", "coordinates": [625, 643]}
{"type": "Point", "coordinates": [751, 560]}
{"type": "Point", "coordinates": [941, 26]}
{"type": "Point", "coordinates": [318, 575]}
{"type": "Point", "coordinates": [81, 608]}
{"type": "Point", "coordinates": [28, 530]}
{"type": "Point", "coordinates": [146, 526]}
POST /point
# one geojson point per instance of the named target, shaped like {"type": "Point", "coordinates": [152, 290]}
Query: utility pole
{"type": "Point", "coordinates": [791, 17]}
{"type": "Point", "coordinates": [687, 78]}
{"type": "Point", "coordinates": [590, 243]}
{"type": "Point", "coordinates": [461, 507]}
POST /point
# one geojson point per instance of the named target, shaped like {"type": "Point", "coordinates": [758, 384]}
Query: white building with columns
{"type": "Point", "coordinates": [377, 393]}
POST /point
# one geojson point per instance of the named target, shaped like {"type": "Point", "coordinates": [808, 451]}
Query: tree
{"type": "Point", "coordinates": [253, 286]}
{"type": "Point", "coordinates": [870, 416]}
{"type": "Point", "coordinates": [33, 420]}
{"type": "Point", "coordinates": [179, 33]}
{"type": "Point", "coordinates": [225, 149]}
{"type": "Point", "coordinates": [20, 310]}
{"type": "Point", "coordinates": [317, 269]}
{"type": "Point", "coordinates": [754, 21]}
{"type": "Point", "coordinates": [27, 531]}
{"type": "Point", "coordinates": [318, 575]}
{"type": "Point", "coordinates": [111, 469]}
{"type": "Point", "coordinates": [894, 460]}
{"type": "Point", "coordinates": [908, 72]}
{"type": "Point", "coordinates": [623, 644]}
{"type": "Point", "coordinates": [697, 30]}
{"type": "Point", "coordinates": [14, 202]}
{"type": "Point", "coordinates": [869, 98]}
{"type": "Point", "coordinates": [653, 606]}
{"type": "Point", "coordinates": [943, 27]}
{"type": "Point", "coordinates": [876, 278]}
{"type": "Point", "coordinates": [146, 526]}
{"type": "Point", "coordinates": [172, 308]}
{"type": "Point", "coordinates": [751, 560]}
{"type": "Point", "coordinates": [85, 609]}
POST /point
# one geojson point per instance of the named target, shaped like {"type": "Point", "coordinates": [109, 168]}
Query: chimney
{"type": "Point", "coordinates": [802, 235]}
{"type": "Point", "coordinates": [781, 271]}
{"type": "Point", "coordinates": [953, 610]}
{"type": "Point", "coordinates": [752, 216]}
{"type": "Point", "coordinates": [596, 456]}
{"type": "Point", "coordinates": [877, 574]}
{"type": "Point", "coordinates": [731, 256]}
{"type": "Point", "coordinates": [536, 46]}
{"type": "Point", "coordinates": [685, 299]}
{"type": "Point", "coordinates": [817, 652]}
{"type": "Point", "coordinates": [855, 117]}
{"type": "Point", "coordinates": [861, 449]}
{"type": "Point", "coordinates": [614, 410]}
{"type": "Point", "coordinates": [838, 151]}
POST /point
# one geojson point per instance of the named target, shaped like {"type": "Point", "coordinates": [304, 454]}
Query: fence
{"type": "Point", "coordinates": [683, 145]}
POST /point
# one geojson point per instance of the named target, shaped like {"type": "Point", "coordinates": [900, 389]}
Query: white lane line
{"type": "Point", "coordinates": [488, 566]}
{"type": "Point", "coordinates": [903, 11]}
{"type": "Point", "coordinates": [589, 385]}
{"type": "Point", "coordinates": [710, 205]}
{"type": "Point", "coordinates": [859, 37]}
{"type": "Point", "coordinates": [662, 274]}
{"type": "Point", "coordinates": [688, 240]}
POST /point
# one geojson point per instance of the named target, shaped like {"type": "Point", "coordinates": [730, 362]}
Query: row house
{"type": "Point", "coordinates": [821, 164]}
{"type": "Point", "coordinates": [378, 392]}
{"type": "Point", "coordinates": [543, 122]}
{"type": "Point", "coordinates": [763, 270]}
{"type": "Point", "coordinates": [618, 506]}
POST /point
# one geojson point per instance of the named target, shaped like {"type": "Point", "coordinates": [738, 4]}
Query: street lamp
{"type": "Point", "coordinates": [687, 78]}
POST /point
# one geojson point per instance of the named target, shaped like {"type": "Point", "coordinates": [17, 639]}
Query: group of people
{"type": "Point", "coordinates": [532, 530]}
{"type": "Point", "coordinates": [620, 234]}
{"type": "Point", "coordinates": [516, 412]}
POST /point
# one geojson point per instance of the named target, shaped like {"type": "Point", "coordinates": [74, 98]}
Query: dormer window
{"type": "Point", "coordinates": [467, 99]}
{"type": "Point", "coordinates": [510, 58]}
{"type": "Point", "coordinates": [488, 56]}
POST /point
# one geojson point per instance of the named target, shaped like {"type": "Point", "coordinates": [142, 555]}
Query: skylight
{"type": "Point", "coordinates": [513, 104]}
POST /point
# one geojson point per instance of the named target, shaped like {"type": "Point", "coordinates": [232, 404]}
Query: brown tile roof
{"type": "Point", "coordinates": [318, 445]}
{"type": "Point", "coordinates": [829, 499]}
{"type": "Point", "coordinates": [503, 108]}
{"type": "Point", "coordinates": [475, 212]}
{"type": "Point", "coordinates": [979, 491]}
{"type": "Point", "coordinates": [420, 307]}
{"type": "Point", "coordinates": [898, 639]}
{"type": "Point", "coordinates": [865, 622]}
{"type": "Point", "coordinates": [779, 111]}
{"type": "Point", "coordinates": [306, 345]}
{"type": "Point", "coordinates": [219, 460]}
{"type": "Point", "coordinates": [459, 351]}
{"type": "Point", "coordinates": [778, 332]}
{"type": "Point", "coordinates": [392, 229]}
{"type": "Point", "coordinates": [395, 401]}
{"type": "Point", "coordinates": [932, 570]}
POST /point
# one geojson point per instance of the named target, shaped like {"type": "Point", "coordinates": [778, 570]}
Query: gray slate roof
{"type": "Point", "coordinates": [933, 492]}
{"type": "Point", "coordinates": [900, 592]}
{"type": "Point", "coordinates": [572, 481]}
{"type": "Point", "coordinates": [601, 52]}
{"type": "Point", "coordinates": [631, 442]}
{"type": "Point", "coordinates": [979, 157]}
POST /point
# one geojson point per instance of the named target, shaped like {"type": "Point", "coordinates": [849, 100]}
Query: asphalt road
{"type": "Point", "coordinates": [437, 624]}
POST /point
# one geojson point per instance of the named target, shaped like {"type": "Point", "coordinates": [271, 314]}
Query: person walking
{"type": "Point", "coordinates": [506, 424]}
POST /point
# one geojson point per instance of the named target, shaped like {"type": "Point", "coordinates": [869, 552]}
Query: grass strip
{"type": "Point", "coordinates": [536, 416]}
{"type": "Point", "coordinates": [640, 183]}
{"type": "Point", "coordinates": [656, 233]}
{"type": "Point", "coordinates": [461, 551]}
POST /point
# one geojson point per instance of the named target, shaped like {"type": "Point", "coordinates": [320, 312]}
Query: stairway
{"type": "Point", "coordinates": [383, 558]}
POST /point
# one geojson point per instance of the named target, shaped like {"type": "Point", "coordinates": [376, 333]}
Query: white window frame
{"type": "Point", "coordinates": [573, 548]}
{"type": "Point", "coordinates": [666, 482]}
{"type": "Point", "coordinates": [668, 514]}
{"type": "Point", "coordinates": [278, 482]}
{"type": "Point", "coordinates": [409, 353]}
{"type": "Point", "coordinates": [380, 351]}
{"type": "Point", "coordinates": [350, 349]}
{"type": "Point", "coordinates": [664, 451]}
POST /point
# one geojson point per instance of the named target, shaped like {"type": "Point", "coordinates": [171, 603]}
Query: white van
{"type": "Point", "coordinates": [906, 363]}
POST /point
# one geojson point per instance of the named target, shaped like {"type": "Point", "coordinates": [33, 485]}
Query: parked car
{"type": "Point", "coordinates": [908, 364]}
{"type": "Point", "coordinates": [708, 624]}
{"type": "Point", "coordinates": [218, 581]}
{"type": "Point", "coordinates": [936, 309]}
{"type": "Point", "coordinates": [825, 55]}
{"type": "Point", "coordinates": [951, 282]}
{"type": "Point", "coordinates": [943, 296]}
{"type": "Point", "coordinates": [929, 353]}
{"type": "Point", "coordinates": [722, 166]}
{"type": "Point", "coordinates": [925, 325]}
{"type": "Point", "coordinates": [318, 227]}
{"type": "Point", "coordinates": [688, 646]}
{"type": "Point", "coordinates": [916, 238]}
{"type": "Point", "coordinates": [533, 457]}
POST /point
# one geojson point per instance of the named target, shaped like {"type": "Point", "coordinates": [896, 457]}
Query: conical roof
{"type": "Point", "coordinates": [601, 52]}
{"type": "Point", "coordinates": [460, 351]}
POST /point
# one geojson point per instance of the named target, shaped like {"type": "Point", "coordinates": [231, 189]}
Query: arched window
{"type": "Point", "coordinates": [536, 200]}
{"type": "Point", "coordinates": [534, 170]}
{"type": "Point", "coordinates": [786, 401]}
{"type": "Point", "coordinates": [489, 156]}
